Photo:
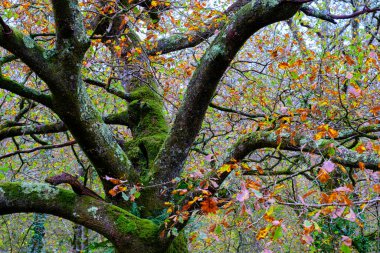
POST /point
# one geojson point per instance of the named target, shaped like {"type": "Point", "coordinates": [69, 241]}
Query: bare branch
{"type": "Point", "coordinates": [69, 143]}
{"type": "Point", "coordinates": [324, 15]}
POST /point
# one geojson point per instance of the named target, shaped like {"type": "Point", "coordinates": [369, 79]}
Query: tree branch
{"type": "Point", "coordinates": [325, 15]}
{"type": "Point", "coordinates": [25, 92]}
{"type": "Point", "coordinates": [248, 20]}
{"type": "Point", "coordinates": [178, 42]}
{"type": "Point", "coordinates": [128, 232]}
{"type": "Point", "coordinates": [300, 143]}
{"type": "Point", "coordinates": [69, 143]}
{"type": "Point", "coordinates": [13, 131]}
{"type": "Point", "coordinates": [225, 109]}
{"type": "Point", "coordinates": [119, 93]}
{"type": "Point", "coordinates": [69, 26]}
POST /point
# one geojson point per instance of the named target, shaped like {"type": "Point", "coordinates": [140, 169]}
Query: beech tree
{"type": "Point", "coordinates": [167, 101]}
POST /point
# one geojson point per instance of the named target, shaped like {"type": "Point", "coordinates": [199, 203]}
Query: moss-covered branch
{"type": "Point", "coordinates": [128, 232]}
{"type": "Point", "coordinates": [25, 92]}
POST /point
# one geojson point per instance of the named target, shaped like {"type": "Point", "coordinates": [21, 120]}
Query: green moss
{"type": "Point", "coordinates": [179, 244]}
{"type": "Point", "coordinates": [38, 192]}
{"type": "Point", "coordinates": [149, 129]}
{"type": "Point", "coordinates": [130, 224]}
{"type": "Point", "coordinates": [126, 225]}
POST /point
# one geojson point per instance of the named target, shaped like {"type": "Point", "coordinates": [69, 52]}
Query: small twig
{"type": "Point", "coordinates": [38, 148]}
{"type": "Point", "coordinates": [376, 200]}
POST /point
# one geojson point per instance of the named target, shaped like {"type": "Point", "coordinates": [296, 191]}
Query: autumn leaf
{"type": "Point", "coordinates": [375, 110]}
{"type": "Point", "coordinates": [283, 65]}
{"type": "Point", "coordinates": [259, 169]}
{"type": "Point", "coordinates": [332, 133]}
{"type": "Point", "coordinates": [117, 189]}
{"type": "Point", "coordinates": [349, 60]}
{"type": "Point", "coordinates": [376, 188]}
{"type": "Point", "coordinates": [263, 232]}
{"type": "Point", "coordinates": [319, 135]}
{"type": "Point", "coordinates": [360, 149]}
{"type": "Point", "coordinates": [113, 180]}
{"type": "Point", "coordinates": [209, 205]}
{"type": "Point", "coordinates": [328, 166]}
{"type": "Point", "coordinates": [346, 240]}
{"type": "Point", "coordinates": [323, 176]}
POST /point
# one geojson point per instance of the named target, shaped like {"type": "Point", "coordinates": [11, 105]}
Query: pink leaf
{"type": "Point", "coordinates": [209, 158]}
{"type": "Point", "coordinates": [338, 212]}
{"type": "Point", "coordinates": [351, 216]}
{"type": "Point", "coordinates": [354, 92]}
{"type": "Point", "coordinates": [307, 239]}
{"type": "Point", "coordinates": [346, 240]}
{"type": "Point", "coordinates": [343, 189]}
{"type": "Point", "coordinates": [349, 75]}
{"type": "Point", "coordinates": [243, 195]}
{"type": "Point", "coordinates": [328, 166]}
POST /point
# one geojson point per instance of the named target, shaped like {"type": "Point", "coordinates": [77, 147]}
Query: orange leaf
{"type": "Point", "coordinates": [259, 169]}
{"type": "Point", "coordinates": [283, 65]}
{"type": "Point", "coordinates": [113, 180]}
{"type": "Point", "coordinates": [375, 109]}
{"type": "Point", "coordinates": [332, 133]}
{"type": "Point", "coordinates": [360, 149]}
{"type": "Point", "coordinates": [376, 188]}
{"type": "Point", "coordinates": [209, 205]}
{"type": "Point", "coordinates": [361, 165]}
{"type": "Point", "coordinates": [349, 60]}
{"type": "Point", "coordinates": [323, 176]}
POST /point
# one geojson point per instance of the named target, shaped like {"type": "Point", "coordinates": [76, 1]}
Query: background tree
{"type": "Point", "coordinates": [173, 109]}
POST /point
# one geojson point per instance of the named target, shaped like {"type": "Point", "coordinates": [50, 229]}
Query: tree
{"type": "Point", "coordinates": [148, 197]}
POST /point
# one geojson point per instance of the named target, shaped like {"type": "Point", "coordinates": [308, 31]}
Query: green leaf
{"type": "Point", "coordinates": [277, 233]}
{"type": "Point", "coordinates": [345, 249]}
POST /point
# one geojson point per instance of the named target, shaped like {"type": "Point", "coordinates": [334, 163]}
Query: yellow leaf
{"type": "Point", "coordinates": [319, 135]}
{"type": "Point", "coordinates": [154, 3]}
{"type": "Point", "coordinates": [262, 233]}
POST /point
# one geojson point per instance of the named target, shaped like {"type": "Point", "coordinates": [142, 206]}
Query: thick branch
{"type": "Point", "coordinates": [248, 20]}
{"type": "Point", "coordinates": [69, 26]}
{"type": "Point", "coordinates": [128, 232]}
{"type": "Point", "coordinates": [25, 48]}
